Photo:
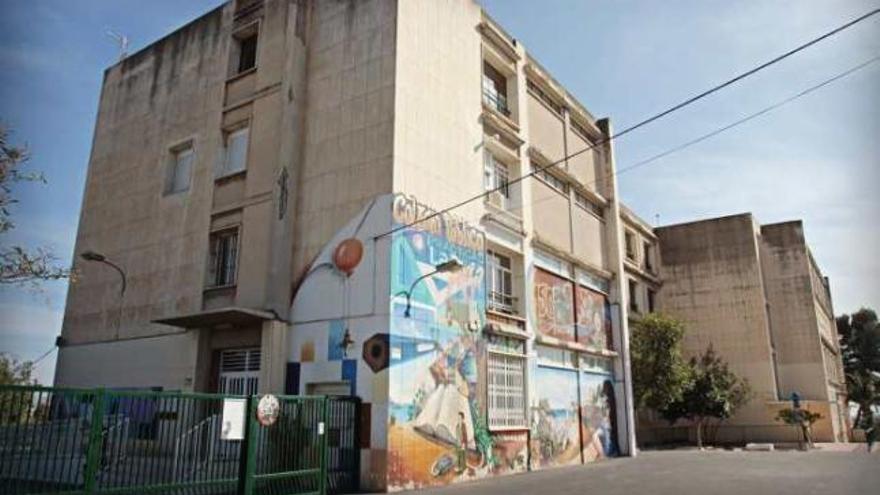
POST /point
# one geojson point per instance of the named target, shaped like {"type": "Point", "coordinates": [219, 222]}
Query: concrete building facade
{"type": "Point", "coordinates": [272, 179]}
{"type": "Point", "coordinates": [755, 293]}
{"type": "Point", "coordinates": [239, 162]}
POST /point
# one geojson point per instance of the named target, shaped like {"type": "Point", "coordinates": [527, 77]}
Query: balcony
{"type": "Point", "coordinates": [501, 303]}
{"type": "Point", "coordinates": [496, 101]}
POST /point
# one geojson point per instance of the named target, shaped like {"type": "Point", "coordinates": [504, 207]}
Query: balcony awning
{"type": "Point", "coordinates": [231, 316]}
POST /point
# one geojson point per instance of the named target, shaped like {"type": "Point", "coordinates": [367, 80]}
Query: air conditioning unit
{"type": "Point", "coordinates": [496, 199]}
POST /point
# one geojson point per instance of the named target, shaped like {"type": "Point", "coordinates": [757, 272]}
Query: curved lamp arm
{"type": "Point", "coordinates": [100, 258]}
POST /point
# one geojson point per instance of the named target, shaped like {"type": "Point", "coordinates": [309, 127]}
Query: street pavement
{"type": "Point", "coordinates": [826, 472]}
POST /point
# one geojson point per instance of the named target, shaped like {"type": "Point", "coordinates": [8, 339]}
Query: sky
{"type": "Point", "coordinates": [816, 159]}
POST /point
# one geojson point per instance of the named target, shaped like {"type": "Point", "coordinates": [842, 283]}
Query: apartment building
{"type": "Point", "coordinates": [271, 180]}
{"type": "Point", "coordinates": [641, 263]}
{"type": "Point", "coordinates": [755, 293]}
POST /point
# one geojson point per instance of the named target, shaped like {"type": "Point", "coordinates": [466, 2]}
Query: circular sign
{"type": "Point", "coordinates": [268, 410]}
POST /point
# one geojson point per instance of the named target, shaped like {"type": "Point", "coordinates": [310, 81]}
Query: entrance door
{"type": "Point", "coordinates": [239, 371]}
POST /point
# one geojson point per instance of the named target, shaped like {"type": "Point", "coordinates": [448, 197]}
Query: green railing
{"type": "Point", "coordinates": [80, 441]}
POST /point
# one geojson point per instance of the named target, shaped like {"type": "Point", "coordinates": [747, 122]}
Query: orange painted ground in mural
{"type": "Point", "coordinates": [412, 456]}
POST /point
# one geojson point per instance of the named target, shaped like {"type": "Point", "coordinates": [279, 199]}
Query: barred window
{"type": "Point", "coordinates": [224, 258]}
{"type": "Point", "coordinates": [507, 391]}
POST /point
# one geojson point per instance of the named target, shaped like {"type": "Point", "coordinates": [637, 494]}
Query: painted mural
{"type": "Point", "coordinates": [555, 425]}
{"type": "Point", "coordinates": [593, 318]}
{"type": "Point", "coordinates": [436, 432]}
{"type": "Point", "coordinates": [554, 306]}
{"type": "Point", "coordinates": [597, 416]}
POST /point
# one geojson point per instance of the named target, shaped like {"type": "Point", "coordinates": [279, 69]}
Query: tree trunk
{"type": "Point", "coordinates": [699, 424]}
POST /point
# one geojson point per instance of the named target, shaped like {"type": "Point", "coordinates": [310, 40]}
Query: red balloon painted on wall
{"type": "Point", "coordinates": [347, 255]}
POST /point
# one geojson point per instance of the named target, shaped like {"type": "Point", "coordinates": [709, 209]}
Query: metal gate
{"type": "Point", "coordinates": [82, 441]}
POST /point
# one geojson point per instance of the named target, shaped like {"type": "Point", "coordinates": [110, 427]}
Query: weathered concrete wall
{"type": "Point", "coordinates": [793, 316]}
{"type": "Point", "coordinates": [438, 157]}
{"type": "Point", "coordinates": [349, 124]}
{"type": "Point", "coordinates": [152, 100]}
{"type": "Point", "coordinates": [712, 282]}
{"type": "Point", "coordinates": [178, 90]}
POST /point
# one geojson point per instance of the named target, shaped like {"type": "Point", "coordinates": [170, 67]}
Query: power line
{"type": "Point", "coordinates": [727, 127]}
{"type": "Point", "coordinates": [647, 121]}
{"type": "Point", "coordinates": [43, 356]}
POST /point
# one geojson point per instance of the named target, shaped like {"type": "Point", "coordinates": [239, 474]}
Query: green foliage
{"type": "Point", "coordinates": [713, 391]}
{"type": "Point", "coordinates": [798, 417]}
{"type": "Point", "coordinates": [660, 372]}
{"type": "Point", "coordinates": [15, 372]}
{"type": "Point", "coordinates": [19, 265]}
{"type": "Point", "coordinates": [860, 350]}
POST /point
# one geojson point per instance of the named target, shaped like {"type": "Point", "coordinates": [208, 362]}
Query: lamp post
{"type": "Point", "coordinates": [100, 258]}
{"type": "Point", "coordinates": [450, 266]}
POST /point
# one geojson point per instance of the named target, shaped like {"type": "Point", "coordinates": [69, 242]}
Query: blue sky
{"type": "Point", "coordinates": [817, 159]}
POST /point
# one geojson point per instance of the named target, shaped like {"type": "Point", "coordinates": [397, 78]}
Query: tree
{"type": "Point", "coordinates": [713, 391]}
{"type": "Point", "coordinates": [660, 372]}
{"type": "Point", "coordinates": [860, 351]}
{"type": "Point", "coordinates": [802, 418]}
{"type": "Point", "coordinates": [19, 265]}
{"type": "Point", "coordinates": [15, 372]}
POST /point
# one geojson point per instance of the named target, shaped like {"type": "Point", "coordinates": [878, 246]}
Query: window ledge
{"type": "Point", "coordinates": [231, 175]}
{"type": "Point", "coordinates": [241, 75]}
{"type": "Point", "coordinates": [219, 288]}
{"type": "Point", "coordinates": [509, 429]}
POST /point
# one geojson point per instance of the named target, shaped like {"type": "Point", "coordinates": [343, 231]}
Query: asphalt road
{"type": "Point", "coordinates": [694, 472]}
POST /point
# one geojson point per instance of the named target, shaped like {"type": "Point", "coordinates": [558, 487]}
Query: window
{"type": "Point", "coordinates": [588, 205]}
{"type": "Point", "coordinates": [550, 179]}
{"type": "Point", "coordinates": [543, 96]}
{"type": "Point", "coordinates": [651, 300]}
{"type": "Point", "coordinates": [633, 296]}
{"type": "Point", "coordinates": [224, 258]}
{"type": "Point", "coordinates": [234, 152]}
{"type": "Point", "coordinates": [630, 242]}
{"type": "Point", "coordinates": [496, 176]}
{"type": "Point", "coordinates": [247, 51]}
{"type": "Point", "coordinates": [239, 371]}
{"type": "Point", "coordinates": [500, 281]}
{"type": "Point", "coordinates": [177, 175]}
{"type": "Point", "coordinates": [507, 391]}
{"type": "Point", "coordinates": [649, 262]}
{"type": "Point", "coordinates": [495, 89]}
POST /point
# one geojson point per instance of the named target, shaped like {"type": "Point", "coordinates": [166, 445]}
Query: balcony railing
{"type": "Point", "coordinates": [497, 101]}
{"type": "Point", "coordinates": [501, 302]}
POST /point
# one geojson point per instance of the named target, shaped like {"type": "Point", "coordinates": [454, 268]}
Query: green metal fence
{"type": "Point", "coordinates": [79, 441]}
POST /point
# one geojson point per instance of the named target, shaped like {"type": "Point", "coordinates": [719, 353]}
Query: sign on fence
{"type": "Point", "coordinates": [234, 412]}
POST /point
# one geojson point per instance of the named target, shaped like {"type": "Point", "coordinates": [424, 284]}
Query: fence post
{"type": "Point", "coordinates": [93, 452]}
{"type": "Point", "coordinates": [248, 465]}
{"type": "Point", "coordinates": [322, 433]}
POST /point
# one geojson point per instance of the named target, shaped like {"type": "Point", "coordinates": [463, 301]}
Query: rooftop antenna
{"type": "Point", "coordinates": [121, 40]}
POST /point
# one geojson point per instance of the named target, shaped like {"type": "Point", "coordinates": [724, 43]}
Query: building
{"type": "Point", "coordinates": [755, 293]}
{"type": "Point", "coordinates": [641, 263]}
{"type": "Point", "coordinates": [271, 180]}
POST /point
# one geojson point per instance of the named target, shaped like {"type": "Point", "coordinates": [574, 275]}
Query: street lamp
{"type": "Point", "coordinates": [100, 258]}
{"type": "Point", "coordinates": [450, 266]}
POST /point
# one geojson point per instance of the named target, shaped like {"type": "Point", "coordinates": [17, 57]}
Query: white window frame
{"type": "Point", "coordinates": [226, 168]}
{"type": "Point", "coordinates": [173, 170]}
{"type": "Point", "coordinates": [500, 282]}
{"type": "Point", "coordinates": [239, 371]}
{"type": "Point", "coordinates": [507, 400]}
{"type": "Point", "coordinates": [496, 176]}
